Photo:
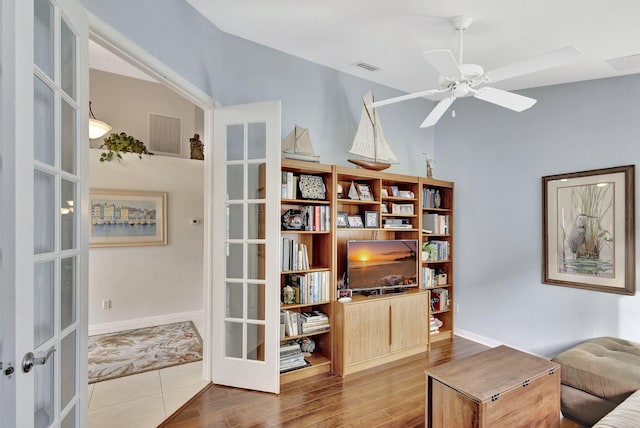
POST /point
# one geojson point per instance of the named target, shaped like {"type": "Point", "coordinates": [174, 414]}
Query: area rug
{"type": "Point", "coordinates": [129, 352]}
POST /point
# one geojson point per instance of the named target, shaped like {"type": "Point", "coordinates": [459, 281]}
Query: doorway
{"type": "Point", "coordinates": [194, 223]}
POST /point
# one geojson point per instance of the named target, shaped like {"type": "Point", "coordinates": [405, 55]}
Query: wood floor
{"type": "Point", "coordinates": [386, 396]}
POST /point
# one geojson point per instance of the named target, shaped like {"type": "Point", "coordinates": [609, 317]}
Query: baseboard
{"type": "Point", "coordinates": [111, 327]}
{"type": "Point", "coordinates": [477, 338]}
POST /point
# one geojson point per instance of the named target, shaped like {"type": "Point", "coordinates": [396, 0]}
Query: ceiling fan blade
{"type": "Point", "coordinates": [437, 112]}
{"type": "Point", "coordinates": [407, 97]}
{"type": "Point", "coordinates": [506, 99]}
{"type": "Point", "coordinates": [444, 62]}
{"type": "Point", "coordinates": [545, 61]}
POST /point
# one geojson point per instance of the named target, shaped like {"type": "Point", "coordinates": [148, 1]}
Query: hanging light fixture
{"type": "Point", "coordinates": [97, 128]}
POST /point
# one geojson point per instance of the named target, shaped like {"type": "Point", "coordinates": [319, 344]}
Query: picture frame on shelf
{"type": "Point", "coordinates": [355, 221]}
{"type": "Point", "coordinates": [404, 209]}
{"type": "Point", "coordinates": [384, 209]}
{"type": "Point", "coordinates": [394, 191]}
{"type": "Point", "coordinates": [365, 192]}
{"type": "Point", "coordinates": [405, 194]}
{"type": "Point", "coordinates": [345, 292]}
{"type": "Point", "coordinates": [124, 218]}
{"type": "Point", "coordinates": [371, 219]}
{"type": "Point", "coordinates": [342, 219]}
{"type": "Point", "coordinates": [582, 212]}
{"type": "Point", "coordinates": [384, 193]}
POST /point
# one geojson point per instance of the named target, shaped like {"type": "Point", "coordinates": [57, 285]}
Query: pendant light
{"type": "Point", "coordinates": [97, 128]}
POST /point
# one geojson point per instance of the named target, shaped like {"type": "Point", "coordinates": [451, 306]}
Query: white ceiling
{"type": "Point", "coordinates": [392, 34]}
{"type": "Point", "coordinates": [104, 60]}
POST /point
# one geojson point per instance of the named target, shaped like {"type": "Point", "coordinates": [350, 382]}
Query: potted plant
{"type": "Point", "coordinates": [122, 143]}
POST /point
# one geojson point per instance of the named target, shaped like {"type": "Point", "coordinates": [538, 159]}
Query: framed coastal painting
{"type": "Point", "coordinates": [589, 229]}
{"type": "Point", "coordinates": [127, 218]}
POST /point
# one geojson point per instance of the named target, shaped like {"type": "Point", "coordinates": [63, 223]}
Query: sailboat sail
{"type": "Point", "coordinates": [370, 141]}
{"type": "Point", "coordinates": [297, 145]}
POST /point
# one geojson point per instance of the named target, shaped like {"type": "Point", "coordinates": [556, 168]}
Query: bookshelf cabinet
{"type": "Point", "coordinates": [306, 263]}
{"type": "Point", "coordinates": [437, 255]}
{"type": "Point", "coordinates": [366, 331]}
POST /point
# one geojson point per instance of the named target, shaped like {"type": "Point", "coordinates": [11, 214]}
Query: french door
{"type": "Point", "coordinates": [43, 334]}
{"type": "Point", "coordinates": [245, 240]}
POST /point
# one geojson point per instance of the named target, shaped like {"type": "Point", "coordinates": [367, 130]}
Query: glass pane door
{"type": "Point", "coordinates": [246, 302]}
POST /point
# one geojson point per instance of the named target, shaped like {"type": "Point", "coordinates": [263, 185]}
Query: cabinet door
{"type": "Point", "coordinates": [367, 331]}
{"type": "Point", "coordinates": [409, 321]}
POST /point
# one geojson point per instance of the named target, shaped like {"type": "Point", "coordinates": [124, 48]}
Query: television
{"type": "Point", "coordinates": [378, 265]}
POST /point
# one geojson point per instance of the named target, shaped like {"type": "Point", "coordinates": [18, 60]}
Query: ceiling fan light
{"type": "Point", "coordinates": [98, 128]}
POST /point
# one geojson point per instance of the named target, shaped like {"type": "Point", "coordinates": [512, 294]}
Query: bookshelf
{"type": "Point", "coordinates": [437, 256]}
{"type": "Point", "coordinates": [306, 263]}
{"type": "Point", "coordinates": [367, 331]}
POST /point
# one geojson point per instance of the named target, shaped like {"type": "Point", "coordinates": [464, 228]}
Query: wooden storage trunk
{"type": "Point", "coordinates": [500, 387]}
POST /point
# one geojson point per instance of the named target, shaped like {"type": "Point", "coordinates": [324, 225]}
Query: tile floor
{"type": "Point", "coordinates": [145, 399]}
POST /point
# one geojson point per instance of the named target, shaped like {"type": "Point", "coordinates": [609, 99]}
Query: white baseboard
{"type": "Point", "coordinates": [477, 338]}
{"type": "Point", "coordinates": [112, 327]}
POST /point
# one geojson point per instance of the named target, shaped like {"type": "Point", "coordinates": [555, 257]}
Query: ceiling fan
{"type": "Point", "coordinates": [458, 79]}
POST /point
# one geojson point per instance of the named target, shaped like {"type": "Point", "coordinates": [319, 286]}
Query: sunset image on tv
{"type": "Point", "coordinates": [373, 264]}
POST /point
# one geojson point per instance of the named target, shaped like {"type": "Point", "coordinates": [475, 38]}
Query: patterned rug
{"type": "Point", "coordinates": [129, 352]}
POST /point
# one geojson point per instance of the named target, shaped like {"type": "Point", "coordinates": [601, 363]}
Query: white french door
{"type": "Point", "coordinates": [43, 333]}
{"type": "Point", "coordinates": [245, 240]}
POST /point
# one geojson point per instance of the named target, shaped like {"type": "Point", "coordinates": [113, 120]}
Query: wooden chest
{"type": "Point", "coordinates": [500, 387]}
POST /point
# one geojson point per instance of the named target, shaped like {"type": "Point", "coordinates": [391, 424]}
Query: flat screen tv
{"type": "Point", "coordinates": [383, 264]}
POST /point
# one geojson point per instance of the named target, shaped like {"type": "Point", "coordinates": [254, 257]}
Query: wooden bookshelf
{"type": "Point", "coordinates": [403, 328]}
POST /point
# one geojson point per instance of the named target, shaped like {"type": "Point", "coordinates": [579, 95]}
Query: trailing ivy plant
{"type": "Point", "coordinates": [122, 143]}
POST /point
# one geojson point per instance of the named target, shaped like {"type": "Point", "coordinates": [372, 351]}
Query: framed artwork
{"type": "Point", "coordinates": [355, 221]}
{"type": "Point", "coordinates": [383, 192]}
{"type": "Point", "coordinates": [589, 229]}
{"type": "Point", "coordinates": [371, 219]}
{"type": "Point", "coordinates": [342, 219]}
{"type": "Point", "coordinates": [394, 191]}
{"type": "Point", "coordinates": [406, 209]}
{"type": "Point", "coordinates": [365, 192]}
{"type": "Point", "coordinates": [405, 194]}
{"type": "Point", "coordinates": [127, 218]}
{"type": "Point", "coordinates": [384, 209]}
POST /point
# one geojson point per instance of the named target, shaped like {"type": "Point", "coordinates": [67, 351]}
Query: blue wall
{"type": "Point", "coordinates": [497, 158]}
{"type": "Point", "coordinates": [235, 71]}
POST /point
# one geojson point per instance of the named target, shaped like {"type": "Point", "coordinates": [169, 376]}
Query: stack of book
{"type": "Point", "coordinates": [440, 299]}
{"type": "Point", "coordinates": [435, 223]}
{"type": "Point", "coordinates": [297, 323]}
{"type": "Point", "coordinates": [434, 325]}
{"type": "Point", "coordinates": [312, 287]}
{"type": "Point", "coordinates": [293, 256]}
{"type": "Point", "coordinates": [291, 357]}
{"type": "Point", "coordinates": [313, 322]}
{"type": "Point", "coordinates": [396, 223]}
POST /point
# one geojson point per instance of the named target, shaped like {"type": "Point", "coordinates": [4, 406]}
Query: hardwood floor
{"type": "Point", "coordinates": [392, 395]}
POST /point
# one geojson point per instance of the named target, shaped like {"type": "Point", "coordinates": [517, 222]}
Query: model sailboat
{"type": "Point", "coordinates": [297, 145]}
{"type": "Point", "coordinates": [369, 141]}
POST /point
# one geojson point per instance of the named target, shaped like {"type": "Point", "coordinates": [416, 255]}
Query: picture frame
{"type": "Point", "coordinates": [588, 229]}
{"type": "Point", "coordinates": [342, 219]}
{"type": "Point", "coordinates": [404, 209]}
{"type": "Point", "coordinates": [127, 218]}
{"type": "Point", "coordinates": [383, 192]}
{"type": "Point", "coordinates": [384, 209]}
{"type": "Point", "coordinates": [345, 292]}
{"type": "Point", "coordinates": [405, 194]}
{"type": "Point", "coordinates": [394, 191]}
{"type": "Point", "coordinates": [371, 219]}
{"type": "Point", "coordinates": [365, 192]}
{"type": "Point", "coordinates": [355, 221]}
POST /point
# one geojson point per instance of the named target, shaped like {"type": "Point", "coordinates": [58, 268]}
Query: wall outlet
{"type": "Point", "coordinates": [106, 304]}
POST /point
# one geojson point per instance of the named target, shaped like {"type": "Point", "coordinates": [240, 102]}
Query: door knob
{"type": "Point", "coordinates": [31, 360]}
